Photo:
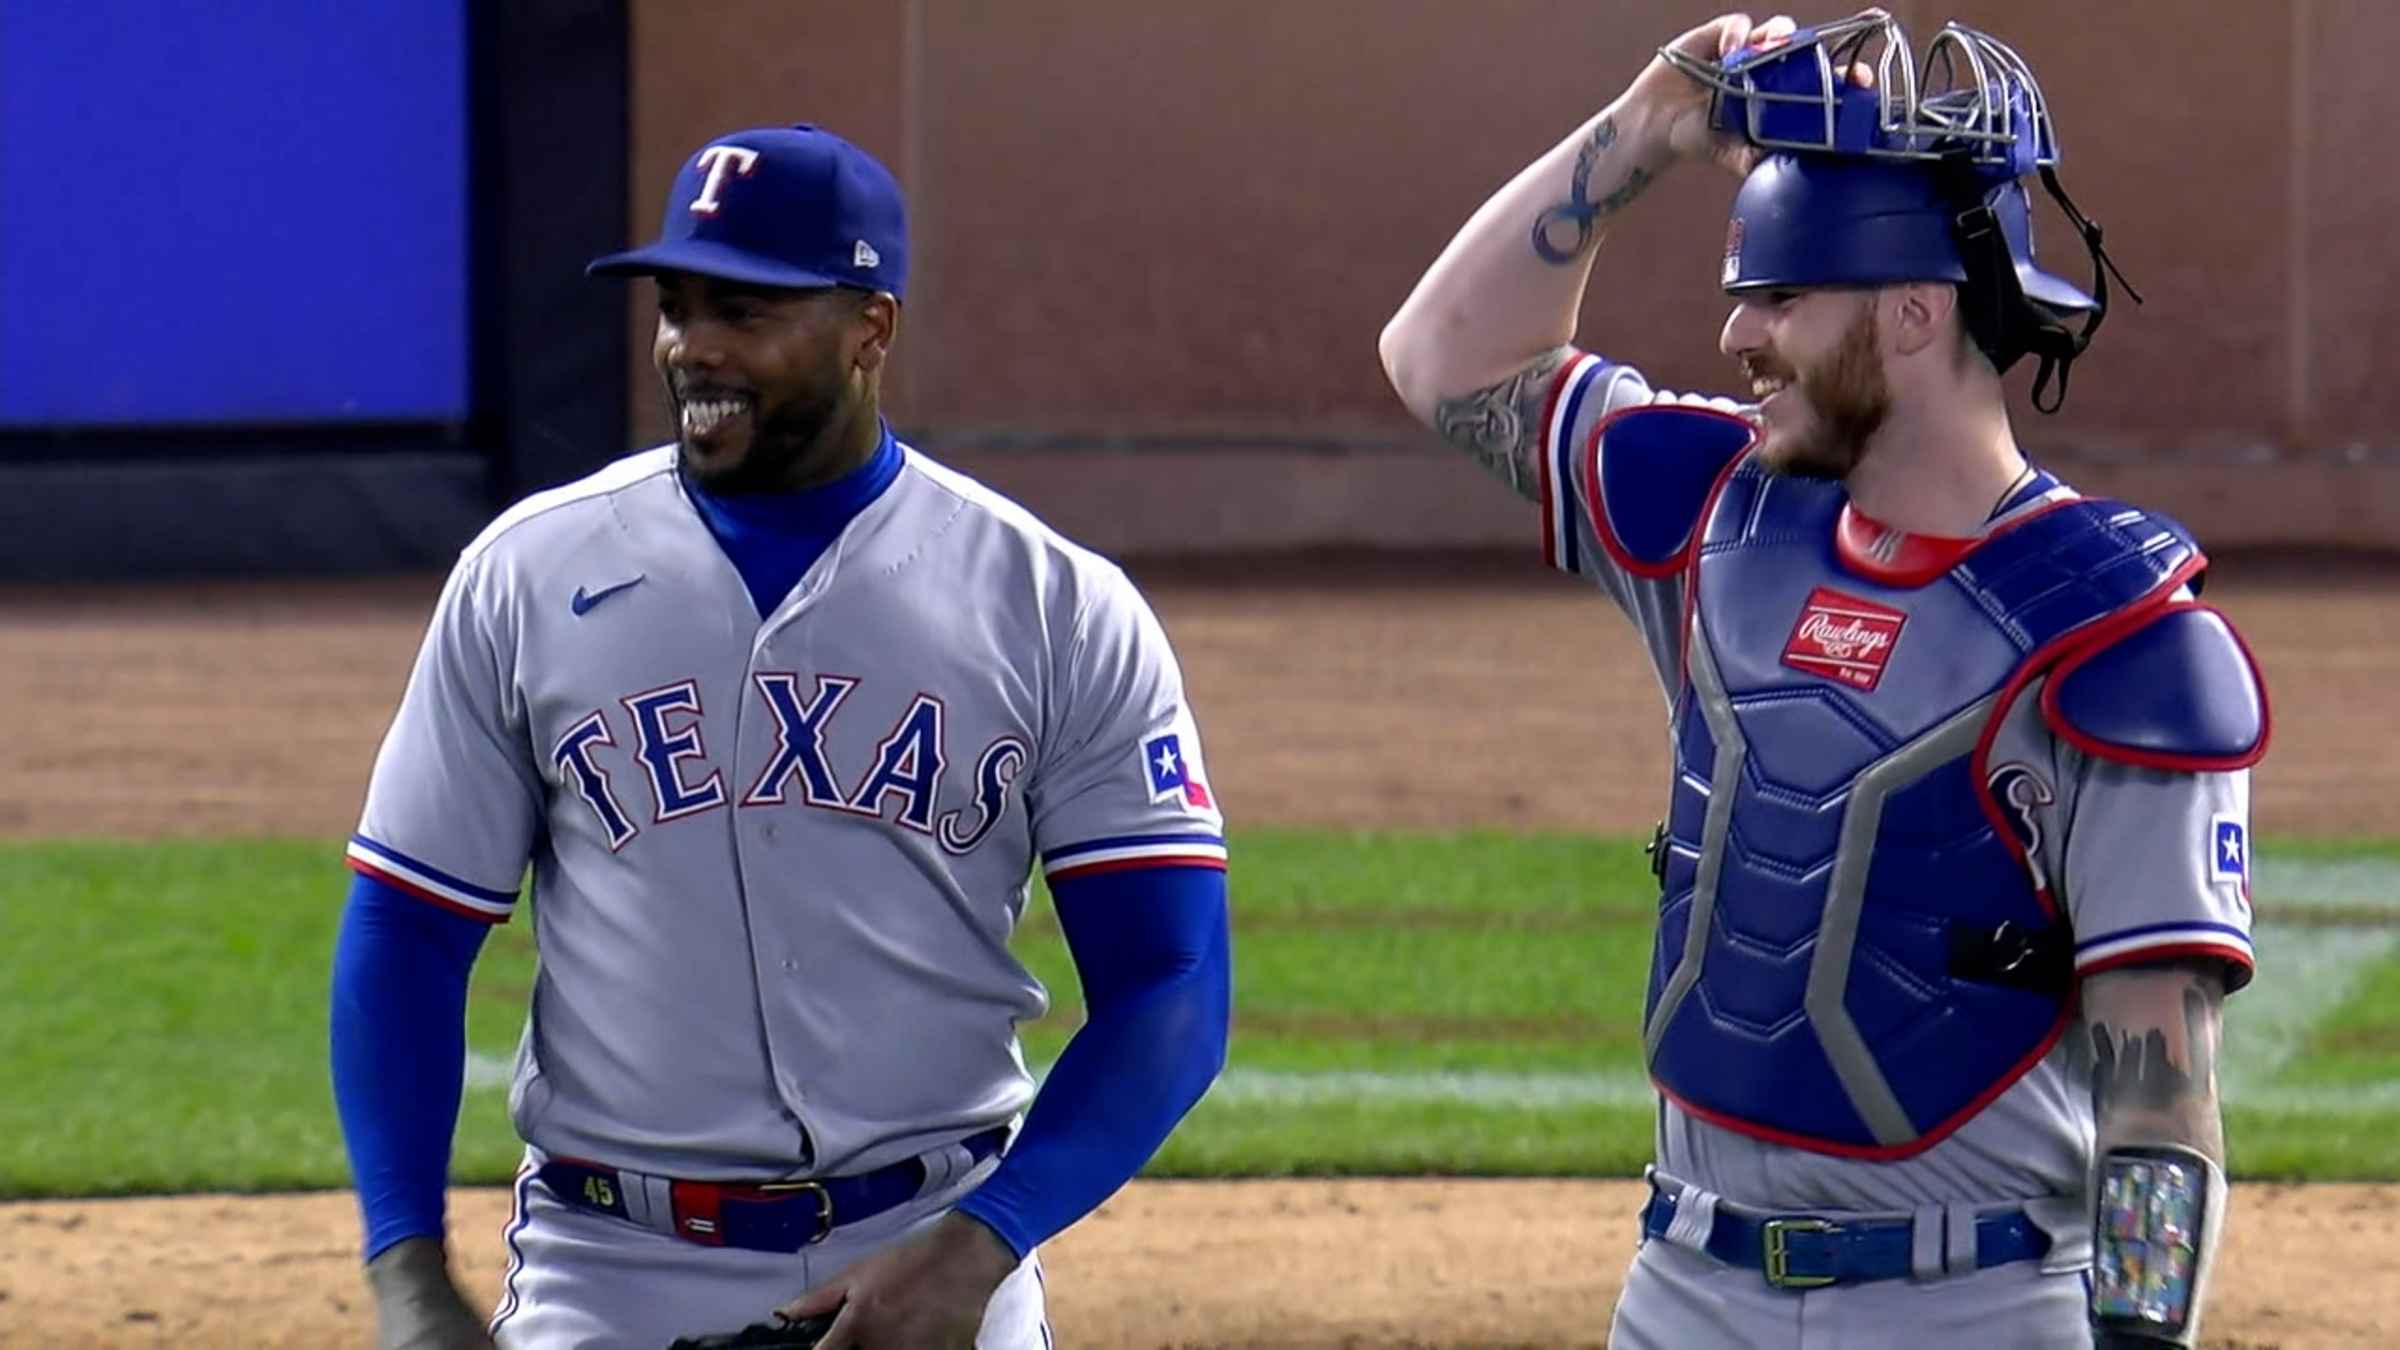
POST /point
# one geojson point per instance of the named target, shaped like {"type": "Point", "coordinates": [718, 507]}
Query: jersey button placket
{"type": "Point", "coordinates": [754, 840]}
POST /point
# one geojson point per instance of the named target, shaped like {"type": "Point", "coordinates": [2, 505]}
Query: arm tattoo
{"type": "Point", "coordinates": [1502, 426]}
{"type": "Point", "coordinates": [1579, 212]}
{"type": "Point", "coordinates": [2137, 1076]}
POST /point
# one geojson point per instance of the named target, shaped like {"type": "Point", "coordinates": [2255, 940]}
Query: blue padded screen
{"type": "Point", "coordinates": [250, 212]}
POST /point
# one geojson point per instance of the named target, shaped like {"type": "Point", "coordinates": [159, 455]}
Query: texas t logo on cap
{"type": "Point", "coordinates": [716, 161]}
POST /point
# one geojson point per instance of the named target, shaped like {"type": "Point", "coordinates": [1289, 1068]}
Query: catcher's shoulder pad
{"type": "Point", "coordinates": [2177, 690]}
{"type": "Point", "coordinates": [1657, 466]}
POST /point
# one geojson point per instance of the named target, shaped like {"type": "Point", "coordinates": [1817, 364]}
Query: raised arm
{"type": "Point", "coordinates": [1471, 349]}
{"type": "Point", "coordinates": [2152, 1033]}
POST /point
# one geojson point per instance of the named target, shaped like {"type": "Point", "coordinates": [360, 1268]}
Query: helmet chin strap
{"type": "Point", "coordinates": [2000, 317]}
{"type": "Point", "coordinates": [2071, 345]}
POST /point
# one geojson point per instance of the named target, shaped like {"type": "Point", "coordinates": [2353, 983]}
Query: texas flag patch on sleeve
{"type": "Point", "coordinates": [2229, 850]}
{"type": "Point", "coordinates": [1172, 775]}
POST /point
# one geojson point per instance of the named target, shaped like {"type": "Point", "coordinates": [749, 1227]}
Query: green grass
{"type": "Point", "coordinates": [1405, 1139]}
{"type": "Point", "coordinates": [2355, 1043]}
{"type": "Point", "coordinates": [165, 1017]}
{"type": "Point", "coordinates": [2287, 848]}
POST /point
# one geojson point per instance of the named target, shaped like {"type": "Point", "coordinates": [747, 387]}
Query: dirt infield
{"type": "Point", "coordinates": [1432, 693]}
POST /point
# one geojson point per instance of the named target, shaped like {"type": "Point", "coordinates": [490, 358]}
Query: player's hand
{"type": "Point", "coordinates": [416, 1305]}
{"type": "Point", "coordinates": [1678, 104]}
{"type": "Point", "coordinates": [927, 1293]}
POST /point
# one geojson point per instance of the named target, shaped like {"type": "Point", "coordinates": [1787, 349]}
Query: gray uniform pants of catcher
{"type": "Point", "coordinates": [1679, 1298]}
{"type": "Point", "coordinates": [579, 1280]}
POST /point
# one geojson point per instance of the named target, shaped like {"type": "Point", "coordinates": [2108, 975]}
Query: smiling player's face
{"type": "Point", "coordinates": [763, 382]}
{"type": "Point", "coordinates": [1815, 364]}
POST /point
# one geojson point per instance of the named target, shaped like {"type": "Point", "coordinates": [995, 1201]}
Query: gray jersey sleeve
{"type": "Point", "coordinates": [2157, 865]}
{"type": "Point", "coordinates": [1585, 391]}
{"type": "Point", "coordinates": [455, 799]}
{"type": "Point", "coordinates": [1121, 780]}
{"type": "Point", "coordinates": [2150, 864]}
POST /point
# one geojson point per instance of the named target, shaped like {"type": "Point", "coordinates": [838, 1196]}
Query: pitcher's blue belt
{"type": "Point", "coordinates": [769, 1216]}
{"type": "Point", "coordinates": [1801, 1251]}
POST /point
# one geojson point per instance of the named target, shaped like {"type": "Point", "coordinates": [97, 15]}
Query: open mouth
{"type": "Point", "coordinates": [1768, 392]}
{"type": "Point", "coordinates": [709, 413]}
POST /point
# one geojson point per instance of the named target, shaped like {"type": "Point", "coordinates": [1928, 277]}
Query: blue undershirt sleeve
{"type": "Point", "coordinates": [399, 1022]}
{"type": "Point", "coordinates": [1152, 949]}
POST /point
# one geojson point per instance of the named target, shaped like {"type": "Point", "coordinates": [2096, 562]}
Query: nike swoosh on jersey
{"type": "Point", "coordinates": [584, 600]}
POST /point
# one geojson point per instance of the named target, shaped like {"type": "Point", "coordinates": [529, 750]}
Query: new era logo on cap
{"type": "Point", "coordinates": [863, 254]}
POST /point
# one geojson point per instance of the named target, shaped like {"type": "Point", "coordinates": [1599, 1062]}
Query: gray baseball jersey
{"type": "Point", "coordinates": [776, 865]}
{"type": "Point", "coordinates": [2146, 862]}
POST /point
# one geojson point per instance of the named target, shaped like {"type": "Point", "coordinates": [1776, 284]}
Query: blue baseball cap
{"type": "Point", "coordinates": [779, 206]}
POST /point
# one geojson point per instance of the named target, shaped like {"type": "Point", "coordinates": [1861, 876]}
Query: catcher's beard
{"type": "Point", "coordinates": [1847, 399]}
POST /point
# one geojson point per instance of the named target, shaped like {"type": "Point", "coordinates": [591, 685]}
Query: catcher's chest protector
{"type": "Point", "coordinates": [1836, 871]}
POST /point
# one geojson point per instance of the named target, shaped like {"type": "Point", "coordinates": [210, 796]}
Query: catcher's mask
{"type": "Point", "coordinates": [1913, 179]}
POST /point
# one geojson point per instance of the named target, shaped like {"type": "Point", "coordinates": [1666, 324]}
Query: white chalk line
{"type": "Point", "coordinates": [2310, 970]}
{"type": "Point", "coordinates": [2307, 972]}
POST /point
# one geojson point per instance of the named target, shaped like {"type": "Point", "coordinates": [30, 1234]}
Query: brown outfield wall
{"type": "Point", "coordinates": [1153, 245]}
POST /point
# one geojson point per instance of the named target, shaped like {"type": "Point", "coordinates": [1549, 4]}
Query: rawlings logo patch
{"type": "Point", "coordinates": [1733, 252]}
{"type": "Point", "coordinates": [1842, 637]}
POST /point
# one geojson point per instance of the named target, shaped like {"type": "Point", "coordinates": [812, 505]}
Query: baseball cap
{"type": "Point", "coordinates": [790, 206]}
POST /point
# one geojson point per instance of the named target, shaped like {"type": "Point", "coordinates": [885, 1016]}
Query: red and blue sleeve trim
{"type": "Point", "coordinates": [1117, 852]}
{"type": "Point", "coordinates": [1562, 543]}
{"type": "Point", "coordinates": [394, 868]}
{"type": "Point", "coordinates": [2162, 941]}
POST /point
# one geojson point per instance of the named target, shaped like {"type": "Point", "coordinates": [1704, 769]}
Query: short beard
{"type": "Point", "coordinates": [781, 439]}
{"type": "Point", "coordinates": [1847, 400]}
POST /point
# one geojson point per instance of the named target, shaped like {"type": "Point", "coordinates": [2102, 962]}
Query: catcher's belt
{"type": "Point", "coordinates": [1812, 1251]}
{"type": "Point", "coordinates": [772, 1216]}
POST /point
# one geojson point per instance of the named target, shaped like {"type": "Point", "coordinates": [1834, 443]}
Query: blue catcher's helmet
{"type": "Point", "coordinates": [1832, 220]}
{"type": "Point", "coordinates": [1916, 178]}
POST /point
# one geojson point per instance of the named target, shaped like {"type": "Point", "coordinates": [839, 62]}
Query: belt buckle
{"type": "Point", "coordinates": [1779, 1256]}
{"type": "Point", "coordinates": [824, 1203]}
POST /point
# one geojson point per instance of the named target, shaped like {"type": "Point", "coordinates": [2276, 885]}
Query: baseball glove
{"type": "Point", "coordinates": [775, 1335]}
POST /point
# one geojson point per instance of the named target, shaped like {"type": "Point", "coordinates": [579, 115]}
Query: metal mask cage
{"type": "Point", "coordinates": [1972, 98]}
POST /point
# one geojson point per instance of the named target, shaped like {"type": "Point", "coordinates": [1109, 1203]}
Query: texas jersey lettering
{"type": "Point", "coordinates": [835, 808]}
{"type": "Point", "coordinates": [909, 774]}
